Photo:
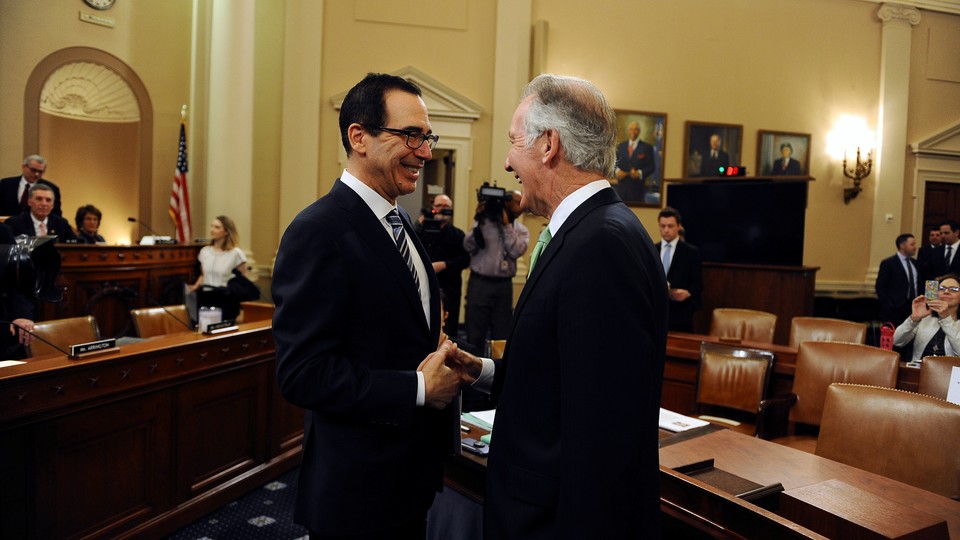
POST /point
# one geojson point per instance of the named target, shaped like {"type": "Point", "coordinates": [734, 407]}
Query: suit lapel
{"type": "Point", "coordinates": [371, 231]}
{"type": "Point", "coordinates": [601, 198]}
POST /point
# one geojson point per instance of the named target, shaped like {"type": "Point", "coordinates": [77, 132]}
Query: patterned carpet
{"type": "Point", "coordinates": [263, 514]}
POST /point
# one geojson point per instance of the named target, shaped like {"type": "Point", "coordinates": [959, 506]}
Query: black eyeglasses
{"type": "Point", "coordinates": [415, 139]}
{"type": "Point", "coordinates": [35, 170]}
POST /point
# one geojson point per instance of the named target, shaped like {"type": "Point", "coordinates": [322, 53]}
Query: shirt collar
{"type": "Point", "coordinates": [572, 202]}
{"type": "Point", "coordinates": [377, 204]}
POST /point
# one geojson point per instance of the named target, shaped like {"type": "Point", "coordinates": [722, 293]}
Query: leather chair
{"type": "Point", "coordinates": [255, 311]}
{"type": "Point", "coordinates": [63, 333]}
{"type": "Point", "coordinates": [935, 375]}
{"type": "Point", "coordinates": [826, 329]}
{"type": "Point", "coordinates": [743, 324]}
{"type": "Point", "coordinates": [909, 437]}
{"type": "Point", "coordinates": [732, 383]}
{"type": "Point", "coordinates": [158, 321]}
{"type": "Point", "coordinates": [820, 364]}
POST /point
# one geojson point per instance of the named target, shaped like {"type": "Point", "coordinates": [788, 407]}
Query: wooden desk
{"type": "Point", "coordinates": [108, 281]}
{"type": "Point", "coordinates": [141, 441]}
{"type": "Point", "coordinates": [683, 365]}
{"type": "Point", "coordinates": [767, 463]}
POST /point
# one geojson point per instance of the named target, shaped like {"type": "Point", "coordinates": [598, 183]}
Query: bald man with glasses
{"type": "Point", "coordinates": [15, 190]}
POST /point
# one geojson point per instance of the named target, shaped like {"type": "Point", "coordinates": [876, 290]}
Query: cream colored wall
{"type": "Point", "coordinates": [459, 58]}
{"type": "Point", "coordinates": [153, 38]}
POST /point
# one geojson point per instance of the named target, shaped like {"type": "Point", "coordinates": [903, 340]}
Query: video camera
{"type": "Point", "coordinates": [493, 199]}
{"type": "Point", "coordinates": [433, 220]}
{"type": "Point", "coordinates": [30, 266]}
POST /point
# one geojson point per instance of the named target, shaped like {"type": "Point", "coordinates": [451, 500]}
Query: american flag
{"type": "Point", "coordinates": [179, 195]}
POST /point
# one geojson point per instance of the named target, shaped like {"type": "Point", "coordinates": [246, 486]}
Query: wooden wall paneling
{"type": "Point", "coordinates": [101, 469]}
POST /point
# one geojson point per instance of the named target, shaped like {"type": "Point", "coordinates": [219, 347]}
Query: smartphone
{"type": "Point", "coordinates": [932, 290]}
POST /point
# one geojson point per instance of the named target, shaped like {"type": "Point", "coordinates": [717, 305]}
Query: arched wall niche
{"type": "Point", "coordinates": [142, 147]}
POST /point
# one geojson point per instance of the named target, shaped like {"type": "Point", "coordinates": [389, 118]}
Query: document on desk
{"type": "Point", "coordinates": [6, 363]}
{"type": "Point", "coordinates": [677, 422]}
{"type": "Point", "coordinates": [953, 391]}
{"type": "Point", "coordinates": [483, 419]}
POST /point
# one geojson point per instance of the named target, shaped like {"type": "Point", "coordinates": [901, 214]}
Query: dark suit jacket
{"type": "Point", "coordinates": [642, 159]}
{"type": "Point", "coordinates": [925, 261]}
{"type": "Point", "coordinates": [937, 266]}
{"type": "Point", "coordinates": [574, 452]}
{"type": "Point", "coordinates": [793, 168]}
{"type": "Point", "coordinates": [10, 203]}
{"type": "Point", "coordinates": [685, 273]}
{"type": "Point", "coordinates": [709, 166]}
{"type": "Point", "coordinates": [56, 225]}
{"type": "Point", "coordinates": [892, 287]}
{"type": "Point", "coordinates": [350, 333]}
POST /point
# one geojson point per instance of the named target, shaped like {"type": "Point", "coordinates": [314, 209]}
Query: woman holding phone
{"type": "Point", "coordinates": [932, 326]}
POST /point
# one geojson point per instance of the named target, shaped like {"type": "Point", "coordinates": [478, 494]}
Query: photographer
{"type": "Point", "coordinates": [444, 245]}
{"type": "Point", "coordinates": [16, 308]}
{"type": "Point", "coordinates": [495, 243]}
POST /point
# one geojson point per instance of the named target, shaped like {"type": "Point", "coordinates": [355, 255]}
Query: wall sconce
{"type": "Point", "coordinates": [851, 132]}
{"type": "Point", "coordinates": [859, 171]}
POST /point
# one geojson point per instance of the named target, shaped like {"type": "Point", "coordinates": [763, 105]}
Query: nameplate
{"type": "Point", "coordinates": [93, 347]}
{"type": "Point", "coordinates": [224, 326]}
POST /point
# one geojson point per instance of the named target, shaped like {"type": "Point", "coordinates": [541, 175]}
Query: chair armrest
{"type": "Point", "coordinates": [773, 416]}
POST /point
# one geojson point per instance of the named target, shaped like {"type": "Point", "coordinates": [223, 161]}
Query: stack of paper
{"type": "Point", "coordinates": [672, 421]}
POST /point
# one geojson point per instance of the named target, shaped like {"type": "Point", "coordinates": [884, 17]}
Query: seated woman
{"type": "Point", "coordinates": [932, 326]}
{"type": "Point", "coordinates": [88, 222]}
{"type": "Point", "coordinates": [217, 264]}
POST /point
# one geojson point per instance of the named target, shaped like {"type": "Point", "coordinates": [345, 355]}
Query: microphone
{"type": "Point", "coordinates": [65, 352]}
{"type": "Point", "coordinates": [158, 239]}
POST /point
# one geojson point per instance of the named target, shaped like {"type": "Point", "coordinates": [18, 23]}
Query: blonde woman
{"type": "Point", "coordinates": [217, 264]}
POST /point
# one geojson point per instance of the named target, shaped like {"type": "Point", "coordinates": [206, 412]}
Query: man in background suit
{"type": "Point", "coordinates": [635, 164]}
{"type": "Point", "coordinates": [40, 220]}
{"type": "Point", "coordinates": [899, 281]}
{"type": "Point", "coordinates": [357, 325]}
{"type": "Point", "coordinates": [944, 259]}
{"type": "Point", "coordinates": [574, 452]}
{"type": "Point", "coordinates": [681, 262]}
{"type": "Point", "coordinates": [925, 253]}
{"type": "Point", "coordinates": [714, 158]}
{"type": "Point", "coordinates": [14, 190]}
{"type": "Point", "coordinates": [786, 165]}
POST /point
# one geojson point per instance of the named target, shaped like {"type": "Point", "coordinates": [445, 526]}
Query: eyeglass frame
{"type": "Point", "coordinates": [951, 289]}
{"type": "Point", "coordinates": [35, 170]}
{"type": "Point", "coordinates": [424, 137]}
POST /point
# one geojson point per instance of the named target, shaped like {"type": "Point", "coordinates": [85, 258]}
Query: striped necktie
{"type": "Point", "coordinates": [393, 219]}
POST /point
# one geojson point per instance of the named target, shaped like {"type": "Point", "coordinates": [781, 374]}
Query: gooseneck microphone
{"type": "Point", "coordinates": [17, 326]}
{"type": "Point", "coordinates": [153, 302]}
{"type": "Point", "coordinates": [144, 225]}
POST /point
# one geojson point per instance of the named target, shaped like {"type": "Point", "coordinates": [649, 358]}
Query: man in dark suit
{"type": "Point", "coordinates": [39, 220]}
{"type": "Point", "coordinates": [574, 452]}
{"type": "Point", "coordinates": [786, 165]}
{"type": "Point", "coordinates": [925, 253]}
{"type": "Point", "coordinates": [15, 190]}
{"type": "Point", "coordinates": [635, 164]}
{"type": "Point", "coordinates": [714, 158]}
{"type": "Point", "coordinates": [681, 262]}
{"type": "Point", "coordinates": [944, 259]}
{"type": "Point", "coordinates": [357, 325]}
{"type": "Point", "coordinates": [444, 245]}
{"type": "Point", "coordinates": [899, 281]}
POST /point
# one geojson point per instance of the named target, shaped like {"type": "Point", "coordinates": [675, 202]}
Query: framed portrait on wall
{"type": "Point", "coordinates": [780, 153]}
{"type": "Point", "coordinates": [709, 147]}
{"type": "Point", "coordinates": [638, 178]}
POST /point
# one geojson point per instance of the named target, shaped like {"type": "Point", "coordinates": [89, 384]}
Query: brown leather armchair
{"type": "Point", "coordinates": [158, 321]}
{"type": "Point", "coordinates": [743, 324]}
{"type": "Point", "coordinates": [820, 364]}
{"type": "Point", "coordinates": [909, 437]}
{"type": "Point", "coordinates": [732, 383]}
{"type": "Point", "coordinates": [826, 329]}
{"type": "Point", "coordinates": [935, 375]}
{"type": "Point", "coordinates": [63, 333]}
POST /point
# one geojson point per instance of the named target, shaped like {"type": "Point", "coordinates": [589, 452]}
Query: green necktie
{"type": "Point", "coordinates": [538, 249]}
